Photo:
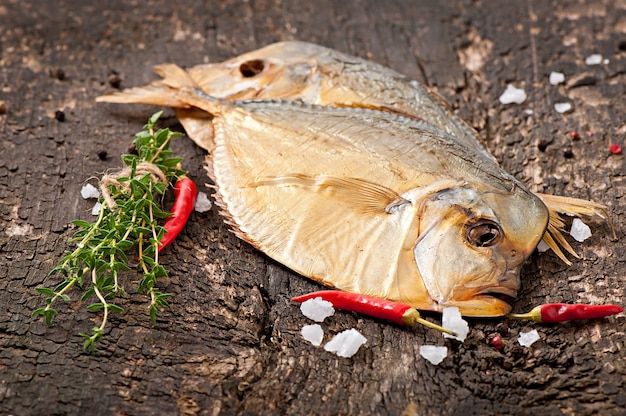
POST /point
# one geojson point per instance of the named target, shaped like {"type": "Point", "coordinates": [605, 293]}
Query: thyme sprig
{"type": "Point", "coordinates": [103, 246]}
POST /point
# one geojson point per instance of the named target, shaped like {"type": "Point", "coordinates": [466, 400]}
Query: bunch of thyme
{"type": "Point", "coordinates": [126, 221]}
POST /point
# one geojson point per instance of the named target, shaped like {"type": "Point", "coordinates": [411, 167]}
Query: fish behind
{"type": "Point", "coordinates": [350, 174]}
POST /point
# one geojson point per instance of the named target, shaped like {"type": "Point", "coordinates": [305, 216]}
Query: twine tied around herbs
{"type": "Point", "coordinates": [144, 168]}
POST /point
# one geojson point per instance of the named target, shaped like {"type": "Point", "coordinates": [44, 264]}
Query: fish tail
{"type": "Point", "coordinates": [161, 92]}
{"type": "Point", "coordinates": [570, 206]}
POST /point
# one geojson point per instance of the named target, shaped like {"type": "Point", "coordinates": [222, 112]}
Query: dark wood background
{"type": "Point", "coordinates": [230, 342]}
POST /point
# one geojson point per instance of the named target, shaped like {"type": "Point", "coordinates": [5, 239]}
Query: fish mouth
{"type": "Point", "coordinates": [502, 293]}
{"type": "Point", "coordinates": [486, 302]}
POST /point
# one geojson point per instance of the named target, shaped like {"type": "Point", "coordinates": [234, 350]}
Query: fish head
{"type": "Point", "coordinates": [471, 245]}
{"type": "Point", "coordinates": [281, 70]}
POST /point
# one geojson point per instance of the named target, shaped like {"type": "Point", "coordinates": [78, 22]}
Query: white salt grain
{"type": "Point", "coordinates": [512, 95]}
{"type": "Point", "coordinates": [556, 78]}
{"type": "Point", "coordinates": [203, 204]}
{"type": "Point", "coordinates": [595, 59]}
{"type": "Point", "coordinates": [96, 209]}
{"type": "Point", "coordinates": [451, 319]}
{"type": "Point", "coordinates": [89, 191]}
{"type": "Point", "coordinates": [433, 353]}
{"type": "Point", "coordinates": [313, 333]}
{"type": "Point", "coordinates": [317, 309]}
{"type": "Point", "coordinates": [542, 247]}
{"type": "Point", "coordinates": [346, 343]}
{"type": "Point", "coordinates": [526, 339]}
{"type": "Point", "coordinates": [562, 107]}
{"type": "Point", "coordinates": [579, 231]}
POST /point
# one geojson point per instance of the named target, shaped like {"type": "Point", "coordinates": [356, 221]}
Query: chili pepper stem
{"type": "Point", "coordinates": [533, 315]}
{"type": "Point", "coordinates": [529, 316]}
{"type": "Point", "coordinates": [412, 317]}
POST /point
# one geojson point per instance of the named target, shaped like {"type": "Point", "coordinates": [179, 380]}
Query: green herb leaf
{"type": "Point", "coordinates": [81, 224]}
{"type": "Point", "coordinates": [95, 307]}
{"type": "Point", "coordinates": [45, 291]}
{"type": "Point", "coordinates": [116, 308]}
{"type": "Point", "coordinates": [105, 249]}
{"type": "Point", "coordinates": [153, 119]}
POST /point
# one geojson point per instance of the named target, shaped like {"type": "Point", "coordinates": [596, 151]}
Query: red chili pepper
{"type": "Point", "coordinates": [185, 194]}
{"type": "Point", "coordinates": [397, 312]}
{"type": "Point", "coordinates": [561, 312]}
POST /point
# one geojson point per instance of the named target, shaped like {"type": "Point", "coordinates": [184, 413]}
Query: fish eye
{"type": "Point", "coordinates": [251, 68]}
{"type": "Point", "coordinates": [484, 233]}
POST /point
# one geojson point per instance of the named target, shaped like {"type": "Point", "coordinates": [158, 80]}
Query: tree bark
{"type": "Point", "coordinates": [230, 341]}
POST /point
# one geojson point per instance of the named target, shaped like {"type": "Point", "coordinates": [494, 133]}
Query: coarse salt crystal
{"type": "Point", "coordinates": [562, 107]}
{"type": "Point", "coordinates": [512, 95]}
{"type": "Point", "coordinates": [542, 247]}
{"type": "Point", "coordinates": [96, 208]}
{"type": "Point", "coordinates": [313, 333]}
{"type": "Point", "coordinates": [317, 309]}
{"type": "Point", "coordinates": [526, 339]}
{"type": "Point", "coordinates": [451, 319]}
{"type": "Point", "coordinates": [579, 231]}
{"type": "Point", "coordinates": [556, 78]}
{"type": "Point", "coordinates": [433, 353]}
{"type": "Point", "coordinates": [595, 59]}
{"type": "Point", "coordinates": [346, 343]}
{"type": "Point", "coordinates": [203, 204]}
{"type": "Point", "coordinates": [89, 191]}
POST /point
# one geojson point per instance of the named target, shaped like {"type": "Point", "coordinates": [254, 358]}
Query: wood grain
{"type": "Point", "coordinates": [230, 342]}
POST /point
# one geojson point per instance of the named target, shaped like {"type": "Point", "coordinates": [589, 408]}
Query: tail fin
{"type": "Point", "coordinates": [570, 206]}
{"type": "Point", "coordinates": [161, 92]}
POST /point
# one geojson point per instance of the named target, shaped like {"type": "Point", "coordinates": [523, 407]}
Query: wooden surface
{"type": "Point", "coordinates": [230, 342]}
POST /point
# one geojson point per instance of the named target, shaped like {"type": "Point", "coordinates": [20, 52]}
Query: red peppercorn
{"type": "Point", "coordinates": [615, 148]}
{"type": "Point", "coordinates": [495, 340]}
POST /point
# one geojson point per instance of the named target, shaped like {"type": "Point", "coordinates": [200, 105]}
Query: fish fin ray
{"type": "Point", "coordinates": [198, 125]}
{"type": "Point", "coordinates": [161, 92]}
{"type": "Point", "coordinates": [174, 76]}
{"type": "Point", "coordinates": [222, 209]}
{"type": "Point", "coordinates": [367, 197]}
{"type": "Point", "coordinates": [154, 93]}
{"type": "Point", "coordinates": [574, 206]}
{"type": "Point", "coordinates": [571, 206]}
{"type": "Point", "coordinates": [550, 238]}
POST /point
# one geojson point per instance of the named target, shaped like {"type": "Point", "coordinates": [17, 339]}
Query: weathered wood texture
{"type": "Point", "coordinates": [230, 342]}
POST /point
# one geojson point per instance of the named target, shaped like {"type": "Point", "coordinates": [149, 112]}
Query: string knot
{"type": "Point", "coordinates": [112, 179]}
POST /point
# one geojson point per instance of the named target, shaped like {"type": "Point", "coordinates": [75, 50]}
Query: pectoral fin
{"type": "Point", "coordinates": [363, 196]}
